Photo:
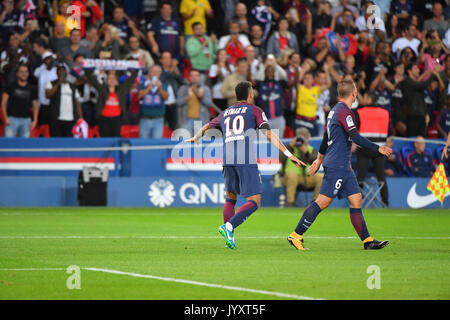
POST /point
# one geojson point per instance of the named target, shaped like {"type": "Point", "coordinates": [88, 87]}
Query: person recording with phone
{"type": "Point", "coordinates": [293, 176]}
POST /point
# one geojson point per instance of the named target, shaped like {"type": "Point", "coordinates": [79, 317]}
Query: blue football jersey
{"type": "Point", "coordinates": [238, 124]}
{"type": "Point", "coordinates": [339, 123]}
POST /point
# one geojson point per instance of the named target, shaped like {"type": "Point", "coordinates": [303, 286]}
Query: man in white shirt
{"type": "Point", "coordinates": [371, 21]}
{"type": "Point", "coordinates": [65, 107]}
{"type": "Point", "coordinates": [408, 40]}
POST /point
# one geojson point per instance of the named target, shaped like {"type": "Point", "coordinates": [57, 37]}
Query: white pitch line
{"type": "Point", "coordinates": [197, 283]}
{"type": "Point", "coordinates": [162, 237]}
{"type": "Point", "coordinates": [32, 269]}
{"type": "Point", "coordinates": [205, 284]}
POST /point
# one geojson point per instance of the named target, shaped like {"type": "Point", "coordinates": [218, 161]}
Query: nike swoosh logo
{"type": "Point", "coordinates": [416, 201]}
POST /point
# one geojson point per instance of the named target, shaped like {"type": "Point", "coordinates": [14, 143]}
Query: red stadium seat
{"type": "Point", "coordinates": [288, 132]}
{"type": "Point", "coordinates": [93, 132]}
{"type": "Point", "coordinates": [167, 133]}
{"type": "Point", "coordinates": [129, 131]}
{"type": "Point", "coordinates": [41, 131]}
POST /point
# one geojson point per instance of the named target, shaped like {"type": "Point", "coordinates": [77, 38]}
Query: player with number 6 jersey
{"type": "Point", "coordinates": [238, 124]}
{"type": "Point", "coordinates": [339, 179]}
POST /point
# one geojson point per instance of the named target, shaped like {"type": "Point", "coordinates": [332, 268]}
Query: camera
{"type": "Point", "coordinates": [299, 141]}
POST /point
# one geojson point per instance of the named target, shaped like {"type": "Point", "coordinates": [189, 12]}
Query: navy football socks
{"type": "Point", "coordinates": [309, 215]}
{"type": "Point", "coordinates": [243, 213]}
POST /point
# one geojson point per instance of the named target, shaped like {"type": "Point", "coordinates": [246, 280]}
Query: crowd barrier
{"type": "Point", "coordinates": [149, 173]}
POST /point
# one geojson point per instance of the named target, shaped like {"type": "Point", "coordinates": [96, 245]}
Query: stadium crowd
{"type": "Point", "coordinates": [194, 52]}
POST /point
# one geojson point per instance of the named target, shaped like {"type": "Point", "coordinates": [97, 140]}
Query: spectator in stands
{"type": "Point", "coordinates": [419, 161]}
{"type": "Point", "coordinates": [371, 22]}
{"type": "Point", "coordinates": [110, 44]}
{"type": "Point", "coordinates": [31, 31]}
{"type": "Point", "coordinates": [16, 102]}
{"type": "Point", "coordinates": [75, 48]}
{"type": "Point", "coordinates": [152, 94]}
{"type": "Point", "coordinates": [392, 28]}
{"type": "Point", "coordinates": [302, 31]}
{"type": "Point", "coordinates": [193, 11]}
{"type": "Point", "coordinates": [437, 22]}
{"type": "Point", "coordinates": [413, 99]}
{"type": "Point", "coordinates": [194, 99]}
{"type": "Point", "coordinates": [322, 15]}
{"type": "Point", "coordinates": [59, 41]}
{"type": "Point", "coordinates": [398, 109]}
{"type": "Point", "coordinates": [231, 81]}
{"type": "Point", "coordinates": [343, 22]}
{"type": "Point", "coordinates": [392, 164]}
{"type": "Point", "coordinates": [9, 19]}
{"type": "Point", "coordinates": [409, 39]}
{"type": "Point", "coordinates": [293, 176]}
{"type": "Point", "coordinates": [270, 99]}
{"type": "Point", "coordinates": [282, 39]}
{"type": "Point", "coordinates": [217, 74]}
{"type": "Point", "coordinates": [323, 101]}
{"type": "Point", "coordinates": [290, 94]}
{"type": "Point", "coordinates": [241, 17]}
{"type": "Point", "coordinates": [443, 120]}
{"type": "Point", "coordinates": [45, 73]}
{"type": "Point", "coordinates": [111, 102]}
{"type": "Point", "coordinates": [165, 33]}
{"type": "Point", "coordinates": [173, 80]}
{"type": "Point", "coordinates": [11, 57]}
{"type": "Point", "coordinates": [91, 38]}
{"type": "Point", "coordinates": [234, 42]}
{"type": "Point", "coordinates": [137, 53]}
{"type": "Point", "coordinates": [257, 41]}
{"type": "Point", "coordinates": [344, 4]}
{"type": "Point", "coordinates": [86, 92]}
{"type": "Point", "coordinates": [201, 49]}
{"type": "Point", "coordinates": [270, 60]}
{"type": "Point", "coordinates": [264, 14]}
{"type": "Point", "coordinates": [307, 96]}
{"type": "Point", "coordinates": [90, 12]}
{"type": "Point", "coordinates": [123, 27]}
{"type": "Point", "coordinates": [65, 107]}
{"type": "Point", "coordinates": [402, 9]}
{"type": "Point", "coordinates": [62, 13]}
{"type": "Point", "coordinates": [254, 64]}
{"type": "Point", "coordinates": [436, 54]}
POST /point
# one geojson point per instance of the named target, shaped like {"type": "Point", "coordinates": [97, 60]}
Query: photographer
{"type": "Point", "coordinates": [293, 176]}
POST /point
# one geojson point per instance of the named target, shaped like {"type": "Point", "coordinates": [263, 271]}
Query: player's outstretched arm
{"type": "Point", "coordinates": [273, 138]}
{"type": "Point", "coordinates": [199, 134]}
{"type": "Point", "coordinates": [363, 142]}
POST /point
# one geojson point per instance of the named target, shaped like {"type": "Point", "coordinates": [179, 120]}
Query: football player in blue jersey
{"type": "Point", "coordinates": [339, 179]}
{"type": "Point", "coordinates": [238, 124]}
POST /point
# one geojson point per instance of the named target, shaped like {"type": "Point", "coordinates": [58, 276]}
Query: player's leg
{"type": "Point", "coordinates": [358, 222]}
{"type": "Point", "coordinates": [228, 207]}
{"type": "Point", "coordinates": [251, 189]}
{"type": "Point", "coordinates": [309, 215]}
{"type": "Point", "coordinates": [250, 186]}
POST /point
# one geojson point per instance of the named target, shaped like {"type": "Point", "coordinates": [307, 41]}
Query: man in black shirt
{"type": "Point", "coordinates": [17, 101]}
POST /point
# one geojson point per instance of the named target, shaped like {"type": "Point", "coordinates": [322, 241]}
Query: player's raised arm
{"type": "Point", "coordinates": [276, 142]}
{"type": "Point", "coordinates": [199, 134]}
{"type": "Point", "coordinates": [214, 123]}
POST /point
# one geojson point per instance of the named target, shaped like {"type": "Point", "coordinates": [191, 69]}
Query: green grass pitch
{"type": "Point", "coordinates": [178, 254]}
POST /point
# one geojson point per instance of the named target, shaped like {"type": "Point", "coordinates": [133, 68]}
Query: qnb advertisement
{"type": "Point", "coordinates": [210, 192]}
